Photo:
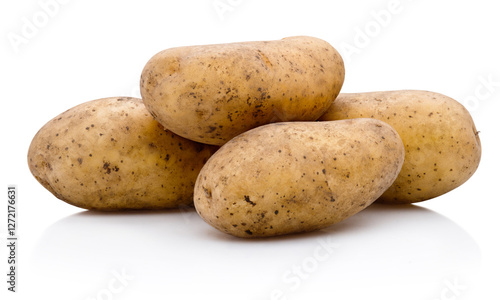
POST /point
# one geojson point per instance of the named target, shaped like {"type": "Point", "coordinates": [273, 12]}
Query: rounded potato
{"type": "Point", "coordinates": [293, 177]}
{"type": "Point", "coordinates": [110, 154]}
{"type": "Point", "coordinates": [442, 144]}
{"type": "Point", "coordinates": [212, 93]}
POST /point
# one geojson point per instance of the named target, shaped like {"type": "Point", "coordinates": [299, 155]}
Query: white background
{"type": "Point", "coordinates": [76, 51]}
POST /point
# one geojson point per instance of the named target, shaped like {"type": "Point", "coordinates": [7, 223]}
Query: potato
{"type": "Point", "coordinates": [110, 154]}
{"type": "Point", "coordinates": [294, 177]}
{"type": "Point", "coordinates": [441, 142]}
{"type": "Point", "coordinates": [212, 93]}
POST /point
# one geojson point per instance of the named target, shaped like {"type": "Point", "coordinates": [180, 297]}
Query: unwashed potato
{"type": "Point", "coordinates": [110, 154]}
{"type": "Point", "coordinates": [442, 144]}
{"type": "Point", "coordinates": [212, 93]}
{"type": "Point", "coordinates": [294, 177]}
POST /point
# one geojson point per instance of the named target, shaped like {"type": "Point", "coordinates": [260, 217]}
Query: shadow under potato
{"type": "Point", "coordinates": [375, 215]}
{"type": "Point", "coordinates": [382, 245]}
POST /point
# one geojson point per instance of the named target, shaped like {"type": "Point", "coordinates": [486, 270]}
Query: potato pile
{"type": "Point", "coordinates": [258, 137]}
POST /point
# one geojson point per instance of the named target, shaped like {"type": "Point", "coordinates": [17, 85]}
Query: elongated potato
{"type": "Point", "coordinates": [110, 154]}
{"type": "Point", "coordinates": [212, 93]}
{"type": "Point", "coordinates": [442, 144]}
{"type": "Point", "coordinates": [297, 176]}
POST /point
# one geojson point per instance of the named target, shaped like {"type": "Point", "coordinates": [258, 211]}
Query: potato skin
{"type": "Point", "coordinates": [442, 144]}
{"type": "Point", "coordinates": [110, 154]}
{"type": "Point", "coordinates": [294, 177]}
{"type": "Point", "coordinates": [212, 93]}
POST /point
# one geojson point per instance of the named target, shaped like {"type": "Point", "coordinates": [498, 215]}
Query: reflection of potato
{"type": "Point", "coordinates": [212, 93]}
{"type": "Point", "coordinates": [442, 144]}
{"type": "Point", "coordinates": [110, 154]}
{"type": "Point", "coordinates": [297, 176]}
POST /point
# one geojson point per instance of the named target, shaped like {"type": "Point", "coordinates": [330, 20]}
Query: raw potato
{"type": "Point", "coordinates": [110, 154]}
{"type": "Point", "coordinates": [297, 176]}
{"type": "Point", "coordinates": [442, 144]}
{"type": "Point", "coordinates": [212, 93]}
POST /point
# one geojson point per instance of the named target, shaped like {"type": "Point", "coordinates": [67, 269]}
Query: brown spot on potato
{"type": "Point", "coordinates": [247, 199]}
{"type": "Point", "coordinates": [208, 192]}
